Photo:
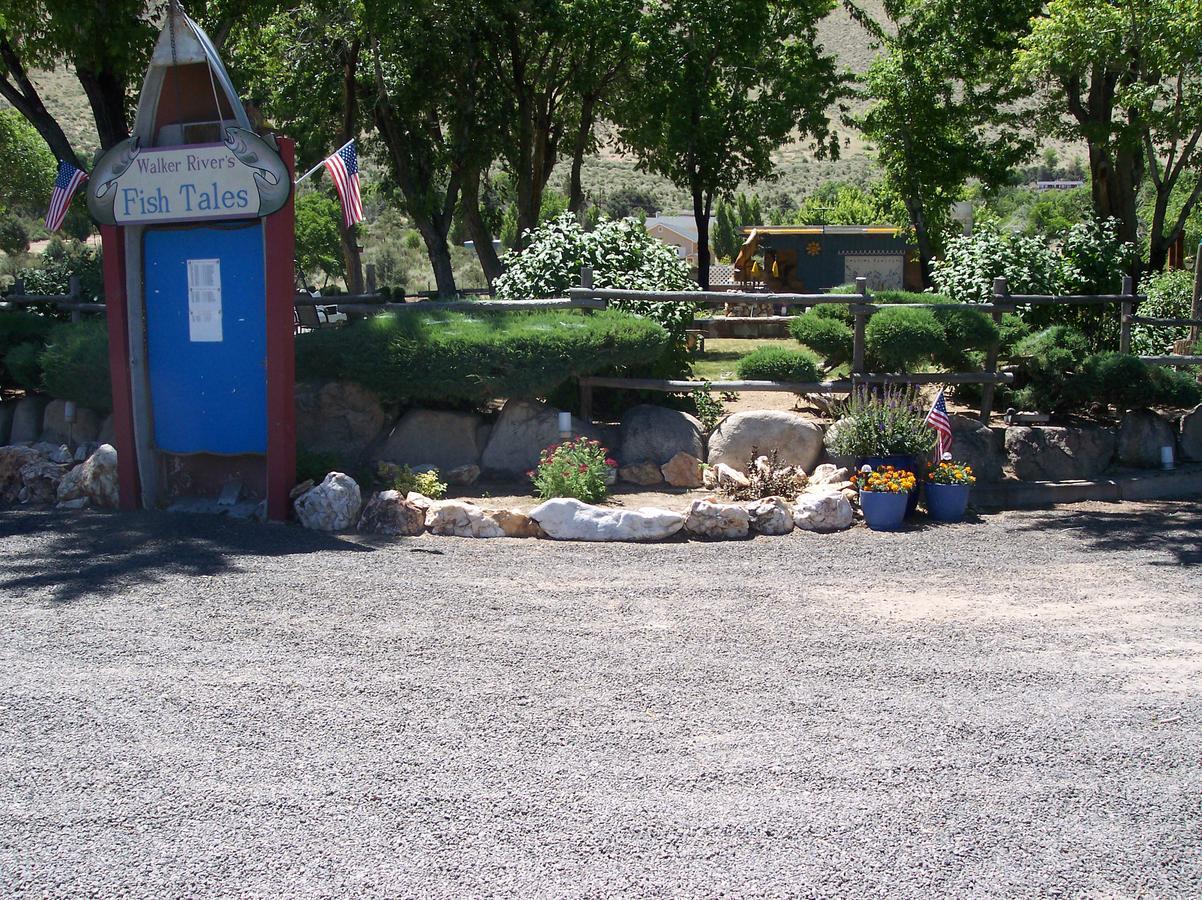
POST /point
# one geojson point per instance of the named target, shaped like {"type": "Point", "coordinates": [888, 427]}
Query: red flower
{"type": "Point", "coordinates": [583, 467]}
{"type": "Point", "coordinates": [530, 473]}
{"type": "Point", "coordinates": [612, 463]}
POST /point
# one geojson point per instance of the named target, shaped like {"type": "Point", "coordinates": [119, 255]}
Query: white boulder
{"type": "Point", "coordinates": [771, 515]}
{"type": "Point", "coordinates": [566, 519]}
{"type": "Point", "coordinates": [723, 521]}
{"type": "Point", "coordinates": [822, 512]}
{"type": "Point", "coordinates": [459, 518]}
{"type": "Point", "coordinates": [332, 505]}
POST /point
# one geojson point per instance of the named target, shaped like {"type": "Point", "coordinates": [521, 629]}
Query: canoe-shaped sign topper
{"type": "Point", "coordinates": [242, 178]}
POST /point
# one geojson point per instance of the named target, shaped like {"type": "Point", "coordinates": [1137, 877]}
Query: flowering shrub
{"type": "Point", "coordinates": [886, 422]}
{"type": "Point", "coordinates": [576, 468]}
{"type": "Point", "coordinates": [949, 472]}
{"type": "Point", "coordinates": [885, 480]}
{"type": "Point", "coordinates": [403, 480]}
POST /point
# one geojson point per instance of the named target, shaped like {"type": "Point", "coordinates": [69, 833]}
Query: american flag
{"type": "Point", "coordinates": [65, 185]}
{"type": "Point", "coordinates": [343, 167]}
{"type": "Point", "coordinates": [937, 419]}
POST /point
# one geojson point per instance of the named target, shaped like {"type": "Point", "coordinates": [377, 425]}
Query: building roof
{"type": "Point", "coordinates": [821, 229]}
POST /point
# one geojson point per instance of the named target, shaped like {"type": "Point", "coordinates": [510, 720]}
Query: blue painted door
{"type": "Point", "coordinates": [206, 336]}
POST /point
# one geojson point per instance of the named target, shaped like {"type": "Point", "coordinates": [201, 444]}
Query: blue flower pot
{"type": "Point", "coordinates": [909, 463]}
{"type": "Point", "coordinates": [946, 502]}
{"type": "Point", "coordinates": [884, 511]}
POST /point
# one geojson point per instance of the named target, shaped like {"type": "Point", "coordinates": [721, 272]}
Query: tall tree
{"type": "Point", "coordinates": [719, 86]}
{"type": "Point", "coordinates": [944, 105]}
{"type": "Point", "coordinates": [1128, 73]}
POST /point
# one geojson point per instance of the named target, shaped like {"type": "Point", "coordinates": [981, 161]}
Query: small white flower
{"type": "Point", "coordinates": [947, 457]}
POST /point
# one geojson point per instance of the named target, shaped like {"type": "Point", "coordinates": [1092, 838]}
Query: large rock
{"type": "Point", "coordinates": [565, 519]}
{"type": "Point", "coordinates": [524, 429]}
{"type": "Point", "coordinates": [12, 461]}
{"type": "Point", "coordinates": [798, 442]}
{"type": "Point", "coordinates": [27, 420]}
{"type": "Point", "coordinates": [656, 434]}
{"type": "Point", "coordinates": [40, 480]}
{"type": "Point", "coordinates": [1191, 434]}
{"type": "Point", "coordinates": [644, 474]}
{"type": "Point", "coordinates": [1141, 435]}
{"type": "Point", "coordinates": [338, 417]}
{"type": "Point", "coordinates": [683, 471]}
{"type": "Point", "coordinates": [332, 505]}
{"type": "Point", "coordinates": [822, 512]}
{"type": "Point", "coordinates": [95, 479]}
{"type": "Point", "coordinates": [722, 521]}
{"type": "Point", "coordinates": [977, 445]}
{"type": "Point", "coordinates": [387, 512]}
{"type": "Point", "coordinates": [1044, 453]}
{"type": "Point", "coordinates": [444, 439]}
{"type": "Point", "coordinates": [771, 515]}
{"type": "Point", "coordinates": [459, 518]}
{"type": "Point", "coordinates": [515, 524]}
{"type": "Point", "coordinates": [57, 430]}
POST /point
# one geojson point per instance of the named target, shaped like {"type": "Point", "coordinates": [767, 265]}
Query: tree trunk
{"type": "Point", "coordinates": [1115, 180]}
{"type": "Point", "coordinates": [701, 215]}
{"type": "Point", "coordinates": [926, 252]}
{"type": "Point", "coordinates": [588, 108]}
{"type": "Point", "coordinates": [477, 230]}
{"type": "Point", "coordinates": [25, 99]}
{"type": "Point", "coordinates": [440, 257]}
{"type": "Point", "coordinates": [106, 96]}
{"type": "Point", "coordinates": [350, 116]}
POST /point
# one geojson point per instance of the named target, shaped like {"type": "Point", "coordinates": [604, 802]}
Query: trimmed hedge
{"type": "Point", "coordinates": [75, 364]}
{"type": "Point", "coordinates": [473, 359]}
{"type": "Point", "coordinates": [823, 331]}
{"type": "Point", "coordinates": [899, 338]}
{"type": "Point", "coordinates": [21, 329]}
{"type": "Point", "coordinates": [778, 364]}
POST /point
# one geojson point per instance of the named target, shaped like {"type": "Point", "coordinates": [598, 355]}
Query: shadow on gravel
{"type": "Point", "coordinates": [100, 553]}
{"type": "Point", "coordinates": [1172, 529]}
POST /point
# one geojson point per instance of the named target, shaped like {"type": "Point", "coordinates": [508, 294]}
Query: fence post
{"type": "Point", "coordinates": [586, 401]}
{"type": "Point", "coordinates": [1000, 292]}
{"type": "Point", "coordinates": [75, 298]}
{"type": "Point", "coordinates": [1126, 310]}
{"type": "Point", "coordinates": [861, 319]}
{"type": "Point", "coordinates": [370, 278]}
{"type": "Point", "coordinates": [586, 281]}
{"type": "Point", "coordinates": [18, 287]}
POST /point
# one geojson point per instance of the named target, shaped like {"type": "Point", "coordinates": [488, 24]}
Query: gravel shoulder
{"type": "Point", "coordinates": [193, 706]}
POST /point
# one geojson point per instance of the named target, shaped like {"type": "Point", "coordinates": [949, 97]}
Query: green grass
{"type": "Point", "coordinates": [722, 355]}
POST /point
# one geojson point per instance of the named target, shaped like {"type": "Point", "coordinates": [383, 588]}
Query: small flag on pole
{"type": "Point", "coordinates": [65, 185]}
{"type": "Point", "coordinates": [937, 419]}
{"type": "Point", "coordinates": [343, 166]}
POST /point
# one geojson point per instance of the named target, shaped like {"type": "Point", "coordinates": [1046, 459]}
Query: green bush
{"type": "Point", "coordinates": [18, 327]}
{"type": "Point", "coordinates": [1057, 339]}
{"type": "Point", "coordinates": [1120, 380]}
{"type": "Point", "coordinates": [778, 364]}
{"type": "Point", "coordinates": [1053, 363]}
{"type": "Point", "coordinates": [1173, 388]}
{"type": "Point", "coordinates": [824, 333]}
{"type": "Point", "coordinates": [1170, 295]}
{"type": "Point", "coordinates": [58, 262]}
{"type": "Point", "coordinates": [897, 339]}
{"type": "Point", "coordinates": [1012, 330]}
{"type": "Point", "coordinates": [75, 364]}
{"type": "Point", "coordinates": [967, 333]}
{"type": "Point", "coordinates": [22, 366]}
{"type": "Point", "coordinates": [473, 359]}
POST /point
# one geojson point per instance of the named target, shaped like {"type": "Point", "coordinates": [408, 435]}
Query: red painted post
{"type": "Point", "coordinates": [117, 312]}
{"type": "Point", "coordinates": [280, 241]}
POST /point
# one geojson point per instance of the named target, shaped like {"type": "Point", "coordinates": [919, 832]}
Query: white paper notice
{"type": "Point", "coordinates": [204, 299]}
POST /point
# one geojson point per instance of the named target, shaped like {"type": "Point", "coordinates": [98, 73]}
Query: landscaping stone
{"type": "Point", "coordinates": [822, 512]}
{"type": "Point", "coordinates": [95, 480]}
{"type": "Point", "coordinates": [656, 434]}
{"type": "Point", "coordinates": [300, 488]}
{"type": "Point", "coordinates": [56, 429]}
{"type": "Point", "coordinates": [337, 417]}
{"type": "Point", "coordinates": [683, 471]}
{"type": "Point", "coordinates": [771, 515]}
{"type": "Point", "coordinates": [1049, 453]}
{"type": "Point", "coordinates": [828, 473]}
{"type": "Point", "coordinates": [1141, 435]}
{"type": "Point", "coordinates": [332, 505]}
{"type": "Point", "coordinates": [723, 475]}
{"type": "Point", "coordinates": [1191, 434]}
{"type": "Point", "coordinates": [40, 480]}
{"type": "Point", "coordinates": [644, 473]}
{"type": "Point", "coordinates": [977, 445]}
{"type": "Point", "coordinates": [57, 453]}
{"type": "Point", "coordinates": [419, 500]}
{"type": "Point", "coordinates": [83, 451]}
{"type": "Point", "coordinates": [440, 438]}
{"type": "Point", "coordinates": [462, 475]}
{"type": "Point", "coordinates": [12, 461]}
{"type": "Point", "coordinates": [565, 519]}
{"type": "Point", "coordinates": [27, 420]}
{"type": "Point", "coordinates": [721, 521]}
{"type": "Point", "coordinates": [798, 442]}
{"type": "Point", "coordinates": [387, 512]}
{"type": "Point", "coordinates": [459, 518]}
{"type": "Point", "coordinates": [524, 429]}
{"type": "Point", "coordinates": [515, 524]}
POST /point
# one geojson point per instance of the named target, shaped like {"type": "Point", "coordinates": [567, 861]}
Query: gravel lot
{"type": "Point", "coordinates": [190, 706]}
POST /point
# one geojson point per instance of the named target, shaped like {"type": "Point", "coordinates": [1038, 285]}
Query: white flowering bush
{"type": "Point", "coordinates": [622, 255]}
{"type": "Point", "coordinates": [1170, 295]}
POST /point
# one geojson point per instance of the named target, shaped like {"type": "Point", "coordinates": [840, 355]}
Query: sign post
{"type": "Point", "coordinates": [197, 224]}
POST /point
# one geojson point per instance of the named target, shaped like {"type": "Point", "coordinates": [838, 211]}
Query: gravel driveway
{"type": "Point", "coordinates": [190, 706]}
